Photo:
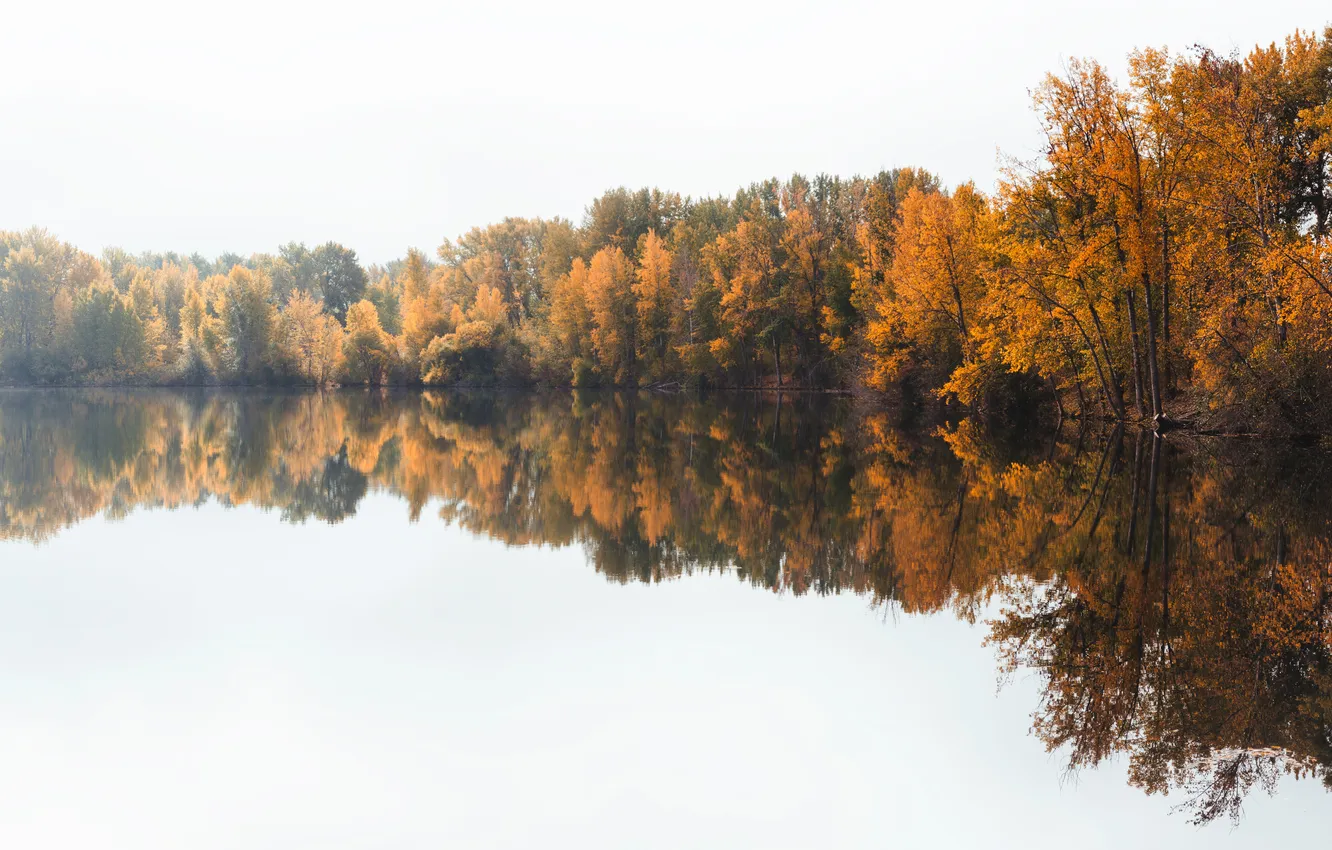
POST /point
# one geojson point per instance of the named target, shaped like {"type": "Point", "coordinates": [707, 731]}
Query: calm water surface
{"type": "Point", "coordinates": [499, 620]}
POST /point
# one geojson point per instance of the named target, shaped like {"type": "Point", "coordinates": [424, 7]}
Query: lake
{"type": "Point", "coordinates": [466, 619]}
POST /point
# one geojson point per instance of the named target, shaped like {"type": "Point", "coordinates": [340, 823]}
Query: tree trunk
{"type": "Point", "coordinates": [1077, 381]}
{"type": "Point", "coordinates": [1153, 372]}
{"type": "Point", "coordinates": [1137, 364]}
{"type": "Point", "coordinates": [1059, 404]}
{"type": "Point", "coordinates": [1100, 375]}
{"type": "Point", "coordinates": [1116, 392]}
{"type": "Point", "coordinates": [962, 325]}
{"type": "Point", "coordinates": [1165, 301]}
{"type": "Point", "coordinates": [1275, 303]}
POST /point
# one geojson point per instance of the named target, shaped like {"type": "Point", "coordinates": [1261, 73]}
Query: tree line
{"type": "Point", "coordinates": [1166, 256]}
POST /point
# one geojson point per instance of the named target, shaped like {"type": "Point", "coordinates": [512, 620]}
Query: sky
{"type": "Point", "coordinates": [388, 125]}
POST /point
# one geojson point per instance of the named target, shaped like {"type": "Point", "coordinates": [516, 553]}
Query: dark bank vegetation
{"type": "Point", "coordinates": [1167, 259]}
{"type": "Point", "coordinates": [1172, 596]}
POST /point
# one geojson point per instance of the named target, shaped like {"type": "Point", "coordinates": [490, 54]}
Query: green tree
{"type": "Point", "coordinates": [108, 334]}
{"type": "Point", "coordinates": [339, 277]}
{"type": "Point", "coordinates": [387, 298]}
{"type": "Point", "coordinates": [27, 310]}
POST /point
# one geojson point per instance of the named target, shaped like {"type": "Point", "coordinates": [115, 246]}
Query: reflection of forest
{"type": "Point", "coordinates": [1173, 597]}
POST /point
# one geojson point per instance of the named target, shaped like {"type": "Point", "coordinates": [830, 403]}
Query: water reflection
{"type": "Point", "coordinates": [1171, 595]}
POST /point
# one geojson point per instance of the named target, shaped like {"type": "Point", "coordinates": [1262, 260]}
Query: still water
{"type": "Point", "coordinates": [364, 620]}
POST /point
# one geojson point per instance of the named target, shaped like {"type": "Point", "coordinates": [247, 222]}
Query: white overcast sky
{"type": "Point", "coordinates": [241, 125]}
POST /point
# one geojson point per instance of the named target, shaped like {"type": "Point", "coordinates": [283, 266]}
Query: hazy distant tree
{"type": "Point", "coordinates": [202, 264]}
{"type": "Point", "coordinates": [302, 264]}
{"type": "Point", "coordinates": [120, 266]}
{"type": "Point", "coordinates": [108, 334]}
{"type": "Point", "coordinates": [226, 261]}
{"type": "Point", "coordinates": [340, 278]}
{"type": "Point", "coordinates": [27, 309]}
{"type": "Point", "coordinates": [281, 275]}
{"type": "Point", "coordinates": [621, 218]}
{"type": "Point", "coordinates": [385, 295]}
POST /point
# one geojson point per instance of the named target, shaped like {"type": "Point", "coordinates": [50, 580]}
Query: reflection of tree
{"type": "Point", "coordinates": [1196, 640]}
{"type": "Point", "coordinates": [331, 494]}
{"type": "Point", "coordinates": [1173, 597]}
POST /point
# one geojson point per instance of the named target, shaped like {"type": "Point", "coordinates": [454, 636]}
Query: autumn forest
{"type": "Point", "coordinates": [1166, 258]}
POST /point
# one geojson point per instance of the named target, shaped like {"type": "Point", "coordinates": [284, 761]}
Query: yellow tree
{"type": "Point", "coordinates": [610, 287]}
{"type": "Point", "coordinates": [169, 285]}
{"type": "Point", "coordinates": [201, 332]}
{"type": "Point", "coordinates": [305, 334]}
{"type": "Point", "coordinates": [1255, 261]}
{"type": "Point", "coordinates": [571, 323]}
{"type": "Point", "coordinates": [505, 256]}
{"type": "Point", "coordinates": [928, 311]}
{"type": "Point", "coordinates": [655, 294]}
{"type": "Point", "coordinates": [473, 350]}
{"type": "Point", "coordinates": [1080, 250]}
{"type": "Point", "coordinates": [144, 300]}
{"type": "Point", "coordinates": [423, 316]}
{"type": "Point", "coordinates": [366, 347]}
{"type": "Point", "coordinates": [807, 241]}
{"type": "Point", "coordinates": [328, 361]}
{"type": "Point", "coordinates": [876, 229]}
{"type": "Point", "coordinates": [745, 270]}
{"type": "Point", "coordinates": [249, 319]}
